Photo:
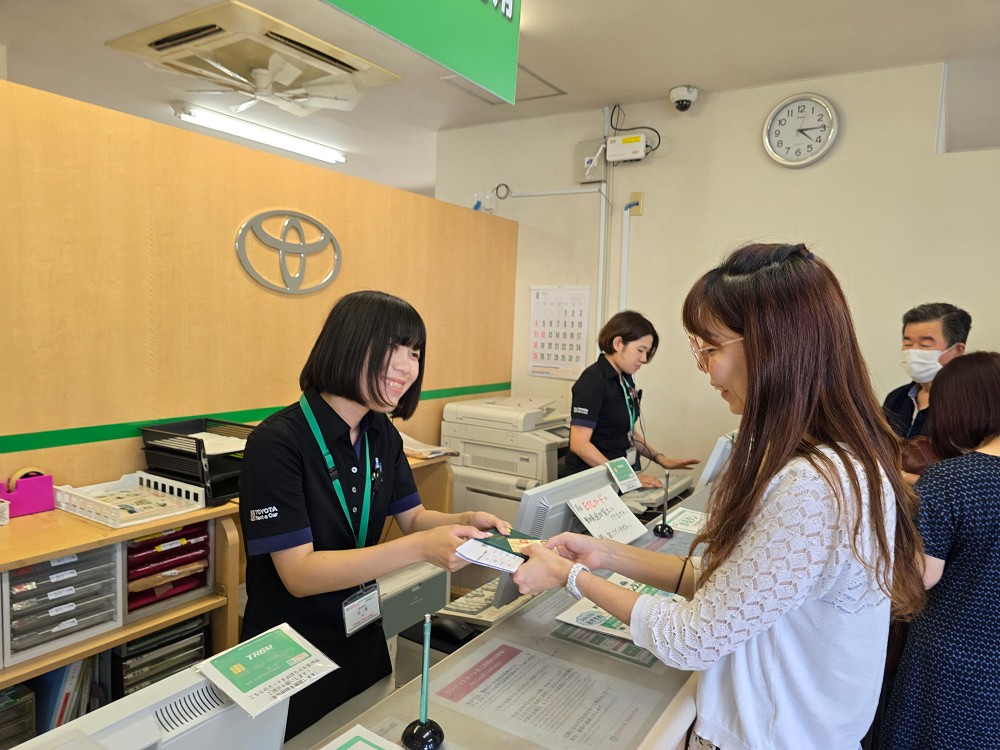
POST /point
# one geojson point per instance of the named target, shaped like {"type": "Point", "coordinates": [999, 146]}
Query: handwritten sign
{"type": "Point", "coordinates": [606, 517]}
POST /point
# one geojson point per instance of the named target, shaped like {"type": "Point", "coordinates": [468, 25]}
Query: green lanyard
{"type": "Point", "coordinates": [631, 411]}
{"type": "Point", "coordinates": [359, 538]}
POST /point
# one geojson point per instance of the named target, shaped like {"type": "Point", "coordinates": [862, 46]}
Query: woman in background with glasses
{"type": "Point", "coordinates": [605, 415]}
{"type": "Point", "coordinates": [788, 618]}
{"type": "Point", "coordinates": [947, 689]}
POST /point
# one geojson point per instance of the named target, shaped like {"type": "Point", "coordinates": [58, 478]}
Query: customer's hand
{"type": "Point", "coordinates": [544, 570]}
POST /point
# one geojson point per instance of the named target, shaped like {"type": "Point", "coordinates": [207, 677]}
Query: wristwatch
{"type": "Point", "coordinates": [571, 580]}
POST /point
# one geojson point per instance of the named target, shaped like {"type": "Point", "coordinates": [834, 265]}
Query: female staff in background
{"type": "Point", "coordinates": [606, 403]}
{"type": "Point", "coordinates": [787, 622]}
{"type": "Point", "coordinates": [319, 479]}
{"type": "Point", "coordinates": [947, 689]}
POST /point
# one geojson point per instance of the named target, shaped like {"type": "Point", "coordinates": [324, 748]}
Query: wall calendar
{"type": "Point", "coordinates": [557, 346]}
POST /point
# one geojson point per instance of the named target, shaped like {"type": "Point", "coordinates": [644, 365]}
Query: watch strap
{"type": "Point", "coordinates": [571, 586]}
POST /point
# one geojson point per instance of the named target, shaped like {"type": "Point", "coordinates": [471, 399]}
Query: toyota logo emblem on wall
{"type": "Point", "coordinates": [293, 236]}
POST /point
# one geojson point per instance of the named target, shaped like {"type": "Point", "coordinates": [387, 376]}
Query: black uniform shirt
{"type": "Point", "coordinates": [287, 500]}
{"type": "Point", "coordinates": [900, 409]}
{"type": "Point", "coordinates": [599, 403]}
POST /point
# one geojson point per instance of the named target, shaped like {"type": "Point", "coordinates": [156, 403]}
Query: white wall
{"type": "Point", "coordinates": [898, 222]}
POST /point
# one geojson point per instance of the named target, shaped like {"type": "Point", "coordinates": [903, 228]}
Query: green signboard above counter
{"type": "Point", "coordinates": [475, 38]}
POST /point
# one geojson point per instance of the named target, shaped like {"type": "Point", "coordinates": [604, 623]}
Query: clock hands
{"type": "Point", "coordinates": [803, 130]}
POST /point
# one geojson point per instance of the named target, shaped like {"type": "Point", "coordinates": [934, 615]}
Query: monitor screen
{"type": "Point", "coordinates": [717, 460]}
{"type": "Point", "coordinates": [544, 512]}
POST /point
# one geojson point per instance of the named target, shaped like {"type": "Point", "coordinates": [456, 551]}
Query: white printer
{"type": "Point", "coordinates": [506, 446]}
{"type": "Point", "coordinates": [520, 436]}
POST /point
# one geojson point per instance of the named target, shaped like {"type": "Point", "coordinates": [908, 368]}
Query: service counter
{"type": "Point", "coordinates": [533, 682]}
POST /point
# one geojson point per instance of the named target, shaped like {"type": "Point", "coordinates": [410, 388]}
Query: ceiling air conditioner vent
{"type": "Point", "coordinates": [235, 46]}
{"type": "Point", "coordinates": [185, 37]}
{"type": "Point", "coordinates": [307, 50]}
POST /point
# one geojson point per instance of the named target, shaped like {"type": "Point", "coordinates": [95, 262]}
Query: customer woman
{"type": "Point", "coordinates": [947, 689]}
{"type": "Point", "coordinates": [606, 403]}
{"type": "Point", "coordinates": [319, 479]}
{"type": "Point", "coordinates": [788, 618]}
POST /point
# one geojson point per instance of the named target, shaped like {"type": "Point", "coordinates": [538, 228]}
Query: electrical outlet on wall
{"type": "Point", "coordinates": [586, 153]}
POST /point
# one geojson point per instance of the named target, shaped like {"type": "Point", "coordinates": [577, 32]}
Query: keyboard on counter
{"type": "Point", "coordinates": [652, 497]}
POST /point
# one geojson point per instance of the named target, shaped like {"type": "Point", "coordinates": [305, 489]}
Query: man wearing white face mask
{"type": "Point", "coordinates": [933, 335]}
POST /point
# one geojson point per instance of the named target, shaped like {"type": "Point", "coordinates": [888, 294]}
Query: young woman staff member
{"type": "Point", "coordinates": [606, 403]}
{"type": "Point", "coordinates": [789, 619]}
{"type": "Point", "coordinates": [319, 479]}
{"type": "Point", "coordinates": [947, 689]}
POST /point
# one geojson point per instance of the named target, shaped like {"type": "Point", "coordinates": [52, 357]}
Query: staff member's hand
{"type": "Point", "coordinates": [485, 521]}
{"type": "Point", "coordinates": [675, 463]}
{"type": "Point", "coordinates": [649, 481]}
{"type": "Point", "coordinates": [439, 545]}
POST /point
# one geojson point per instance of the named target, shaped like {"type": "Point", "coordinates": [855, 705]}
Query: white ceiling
{"type": "Point", "coordinates": [599, 52]}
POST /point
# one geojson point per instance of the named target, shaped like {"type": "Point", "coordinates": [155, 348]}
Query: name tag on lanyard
{"type": "Point", "coordinates": [362, 608]}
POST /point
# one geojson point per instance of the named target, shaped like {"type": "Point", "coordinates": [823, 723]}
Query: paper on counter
{"type": "Point", "coordinates": [687, 520]}
{"type": "Point", "coordinates": [587, 615]}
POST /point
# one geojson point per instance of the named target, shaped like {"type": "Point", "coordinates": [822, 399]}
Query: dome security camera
{"type": "Point", "coordinates": [683, 97]}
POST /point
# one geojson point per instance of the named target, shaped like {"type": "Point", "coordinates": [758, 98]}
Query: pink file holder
{"type": "Point", "coordinates": [30, 495]}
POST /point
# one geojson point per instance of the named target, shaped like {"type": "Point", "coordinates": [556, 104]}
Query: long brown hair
{"type": "Point", "coordinates": [807, 386]}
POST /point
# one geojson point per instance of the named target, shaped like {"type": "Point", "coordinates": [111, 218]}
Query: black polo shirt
{"type": "Point", "coordinates": [287, 500]}
{"type": "Point", "coordinates": [900, 409]}
{"type": "Point", "coordinates": [599, 403]}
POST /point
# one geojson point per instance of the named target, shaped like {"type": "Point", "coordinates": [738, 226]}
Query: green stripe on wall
{"type": "Point", "coordinates": [31, 441]}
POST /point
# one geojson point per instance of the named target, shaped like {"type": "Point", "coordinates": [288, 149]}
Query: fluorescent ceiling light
{"type": "Point", "coordinates": [250, 131]}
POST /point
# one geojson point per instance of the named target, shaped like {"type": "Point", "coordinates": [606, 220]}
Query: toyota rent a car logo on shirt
{"type": "Point", "coordinates": [294, 249]}
{"type": "Point", "coordinates": [262, 514]}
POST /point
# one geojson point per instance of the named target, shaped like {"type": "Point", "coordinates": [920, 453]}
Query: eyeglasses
{"type": "Point", "coordinates": [702, 353]}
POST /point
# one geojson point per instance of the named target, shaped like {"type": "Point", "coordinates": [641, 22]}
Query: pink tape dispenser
{"type": "Point", "coordinates": [28, 491]}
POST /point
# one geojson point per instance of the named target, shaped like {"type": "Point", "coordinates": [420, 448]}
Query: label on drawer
{"type": "Point", "coordinates": [62, 609]}
{"type": "Point", "coordinates": [70, 623]}
{"type": "Point", "coordinates": [172, 544]}
{"type": "Point", "coordinates": [56, 577]}
{"type": "Point", "coordinates": [60, 593]}
{"type": "Point", "coordinates": [62, 560]}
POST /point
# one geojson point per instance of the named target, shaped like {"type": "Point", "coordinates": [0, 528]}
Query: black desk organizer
{"type": "Point", "coordinates": [173, 452]}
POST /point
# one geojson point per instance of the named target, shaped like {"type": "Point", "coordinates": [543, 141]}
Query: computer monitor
{"type": "Point", "coordinates": [181, 712]}
{"type": "Point", "coordinates": [717, 460]}
{"type": "Point", "coordinates": [544, 512]}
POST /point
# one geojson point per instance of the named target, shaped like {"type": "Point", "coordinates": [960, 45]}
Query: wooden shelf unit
{"type": "Point", "coordinates": [43, 536]}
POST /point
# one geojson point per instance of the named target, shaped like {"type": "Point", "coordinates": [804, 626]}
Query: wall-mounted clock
{"type": "Point", "coordinates": [800, 130]}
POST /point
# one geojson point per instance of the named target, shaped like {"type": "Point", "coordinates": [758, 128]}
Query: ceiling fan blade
{"type": "Point", "coordinates": [332, 90]}
{"type": "Point", "coordinates": [294, 108]}
{"type": "Point", "coordinates": [282, 71]}
{"type": "Point", "coordinates": [217, 91]}
{"type": "Point", "coordinates": [343, 103]}
{"type": "Point", "coordinates": [210, 59]}
{"type": "Point", "coordinates": [237, 108]}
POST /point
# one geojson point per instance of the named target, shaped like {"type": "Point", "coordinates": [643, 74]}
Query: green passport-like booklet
{"type": "Point", "coordinates": [514, 543]}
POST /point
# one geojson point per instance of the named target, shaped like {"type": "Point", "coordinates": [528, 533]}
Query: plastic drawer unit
{"type": "Point", "coordinates": [57, 602]}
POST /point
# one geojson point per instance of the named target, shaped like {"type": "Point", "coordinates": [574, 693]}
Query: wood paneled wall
{"type": "Point", "coordinates": [123, 299]}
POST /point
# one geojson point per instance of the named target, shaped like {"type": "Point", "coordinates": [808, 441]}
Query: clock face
{"type": "Point", "coordinates": [800, 130]}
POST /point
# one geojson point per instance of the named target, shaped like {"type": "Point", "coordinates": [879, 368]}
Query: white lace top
{"type": "Point", "coordinates": [790, 632]}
